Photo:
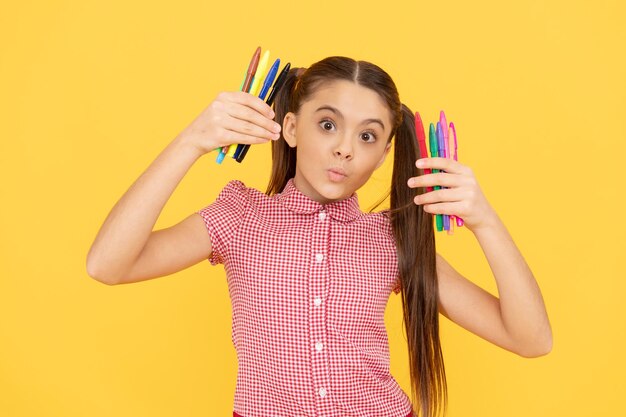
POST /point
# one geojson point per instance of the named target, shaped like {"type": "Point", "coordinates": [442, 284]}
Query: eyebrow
{"type": "Point", "coordinates": [337, 112]}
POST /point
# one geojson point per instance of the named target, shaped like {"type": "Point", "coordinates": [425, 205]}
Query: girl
{"type": "Point", "coordinates": [309, 274]}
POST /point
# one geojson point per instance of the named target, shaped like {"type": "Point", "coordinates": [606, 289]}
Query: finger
{"type": "Point", "coordinates": [436, 196]}
{"type": "Point", "coordinates": [446, 164]}
{"type": "Point", "coordinates": [450, 209]}
{"type": "Point", "coordinates": [443, 179]}
{"type": "Point", "coordinates": [253, 102]}
{"type": "Point", "coordinates": [248, 114]}
{"type": "Point", "coordinates": [231, 136]}
{"type": "Point", "coordinates": [246, 128]}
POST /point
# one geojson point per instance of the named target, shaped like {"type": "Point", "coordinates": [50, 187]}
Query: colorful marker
{"type": "Point", "coordinates": [260, 73]}
{"type": "Point", "coordinates": [421, 140]}
{"type": "Point", "coordinates": [267, 84]}
{"type": "Point", "coordinates": [269, 80]}
{"type": "Point", "coordinates": [459, 221]}
{"type": "Point", "coordinates": [254, 62]}
{"type": "Point", "coordinates": [254, 89]}
{"type": "Point", "coordinates": [442, 154]}
{"type": "Point", "coordinates": [446, 154]}
{"type": "Point", "coordinates": [282, 77]}
{"type": "Point", "coordinates": [270, 100]}
{"type": "Point", "coordinates": [434, 152]}
{"type": "Point", "coordinates": [444, 124]}
{"type": "Point", "coordinates": [449, 151]}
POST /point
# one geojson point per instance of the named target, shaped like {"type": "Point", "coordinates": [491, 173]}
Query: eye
{"type": "Point", "coordinates": [327, 124]}
{"type": "Point", "coordinates": [369, 137]}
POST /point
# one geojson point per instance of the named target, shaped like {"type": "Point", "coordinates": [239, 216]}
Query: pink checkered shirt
{"type": "Point", "coordinates": [309, 284]}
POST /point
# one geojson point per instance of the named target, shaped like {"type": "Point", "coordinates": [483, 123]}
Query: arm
{"type": "Point", "coordinates": [527, 331]}
{"type": "Point", "coordinates": [128, 226]}
{"type": "Point", "coordinates": [516, 321]}
{"type": "Point", "coordinates": [126, 249]}
{"type": "Point", "coordinates": [522, 308]}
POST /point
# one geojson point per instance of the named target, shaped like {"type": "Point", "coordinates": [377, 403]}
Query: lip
{"type": "Point", "coordinates": [336, 174]}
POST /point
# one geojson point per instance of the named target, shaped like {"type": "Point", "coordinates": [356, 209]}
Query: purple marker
{"type": "Point", "coordinates": [444, 124]}
{"type": "Point", "coordinates": [442, 143]}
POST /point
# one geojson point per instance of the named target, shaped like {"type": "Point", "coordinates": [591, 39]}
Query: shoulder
{"type": "Point", "coordinates": [233, 188]}
{"type": "Point", "coordinates": [236, 189]}
{"type": "Point", "coordinates": [237, 196]}
{"type": "Point", "coordinates": [379, 222]}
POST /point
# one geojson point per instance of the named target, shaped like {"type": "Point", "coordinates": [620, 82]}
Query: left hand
{"type": "Point", "coordinates": [462, 196]}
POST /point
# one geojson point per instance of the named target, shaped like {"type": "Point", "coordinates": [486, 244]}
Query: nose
{"type": "Point", "coordinates": [343, 148]}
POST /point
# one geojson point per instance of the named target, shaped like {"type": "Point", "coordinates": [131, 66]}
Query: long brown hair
{"type": "Point", "coordinates": [412, 226]}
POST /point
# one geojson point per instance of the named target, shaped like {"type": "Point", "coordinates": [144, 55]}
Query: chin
{"type": "Point", "coordinates": [333, 192]}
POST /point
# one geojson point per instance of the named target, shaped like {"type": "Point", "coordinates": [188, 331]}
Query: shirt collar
{"type": "Point", "coordinates": [343, 210]}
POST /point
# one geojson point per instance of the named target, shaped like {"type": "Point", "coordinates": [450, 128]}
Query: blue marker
{"type": "Point", "coordinates": [269, 80]}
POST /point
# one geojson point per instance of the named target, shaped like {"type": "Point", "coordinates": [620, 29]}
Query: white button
{"type": "Point", "coordinates": [318, 301]}
{"type": "Point", "coordinates": [319, 346]}
{"type": "Point", "coordinates": [322, 392]}
{"type": "Point", "coordinates": [319, 257]}
{"type": "Point", "coordinates": [322, 215]}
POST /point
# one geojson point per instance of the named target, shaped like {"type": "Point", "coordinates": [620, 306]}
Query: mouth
{"type": "Point", "coordinates": [336, 174]}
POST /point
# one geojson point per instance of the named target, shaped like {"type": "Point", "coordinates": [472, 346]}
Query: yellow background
{"type": "Point", "coordinates": [92, 91]}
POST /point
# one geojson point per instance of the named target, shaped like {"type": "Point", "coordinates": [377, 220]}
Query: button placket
{"type": "Point", "coordinates": [318, 287]}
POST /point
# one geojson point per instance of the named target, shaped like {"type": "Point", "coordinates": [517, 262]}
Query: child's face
{"type": "Point", "coordinates": [342, 127]}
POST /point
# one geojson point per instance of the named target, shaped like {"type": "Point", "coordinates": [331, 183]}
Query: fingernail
{"type": "Point", "coordinates": [276, 127]}
{"type": "Point", "coordinates": [420, 163]}
{"type": "Point", "coordinates": [272, 114]}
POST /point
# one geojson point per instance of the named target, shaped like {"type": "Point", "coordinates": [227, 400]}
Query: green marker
{"type": "Point", "coordinates": [434, 152]}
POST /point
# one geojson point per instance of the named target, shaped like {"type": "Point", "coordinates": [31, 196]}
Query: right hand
{"type": "Point", "coordinates": [232, 118]}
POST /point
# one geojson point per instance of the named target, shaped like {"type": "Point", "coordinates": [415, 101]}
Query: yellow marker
{"type": "Point", "coordinates": [259, 76]}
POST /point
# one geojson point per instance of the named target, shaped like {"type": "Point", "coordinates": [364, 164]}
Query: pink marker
{"type": "Point", "coordinates": [450, 147]}
{"type": "Point", "coordinates": [459, 221]}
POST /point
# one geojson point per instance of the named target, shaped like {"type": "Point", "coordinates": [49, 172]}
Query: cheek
{"type": "Point", "coordinates": [370, 160]}
{"type": "Point", "coordinates": [309, 151]}
{"type": "Point", "coordinates": [312, 143]}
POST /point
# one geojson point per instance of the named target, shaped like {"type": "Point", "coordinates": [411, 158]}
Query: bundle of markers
{"type": "Point", "coordinates": [257, 81]}
{"type": "Point", "coordinates": [443, 144]}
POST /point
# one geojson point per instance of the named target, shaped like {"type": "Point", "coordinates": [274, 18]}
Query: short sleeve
{"type": "Point", "coordinates": [388, 230]}
{"type": "Point", "coordinates": [223, 218]}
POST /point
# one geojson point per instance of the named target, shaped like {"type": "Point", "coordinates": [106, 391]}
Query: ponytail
{"type": "Point", "coordinates": [283, 156]}
{"type": "Point", "coordinates": [415, 242]}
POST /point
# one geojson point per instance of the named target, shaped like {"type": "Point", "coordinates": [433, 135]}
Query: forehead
{"type": "Point", "coordinates": [354, 101]}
